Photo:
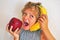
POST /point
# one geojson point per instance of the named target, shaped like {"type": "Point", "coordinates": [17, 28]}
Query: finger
{"type": "Point", "coordinates": [11, 30]}
{"type": "Point", "coordinates": [16, 30]}
{"type": "Point", "coordinates": [41, 19]}
{"type": "Point", "coordinates": [45, 16]}
{"type": "Point", "coordinates": [7, 27]}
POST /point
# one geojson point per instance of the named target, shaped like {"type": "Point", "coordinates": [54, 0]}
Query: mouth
{"type": "Point", "coordinates": [26, 23]}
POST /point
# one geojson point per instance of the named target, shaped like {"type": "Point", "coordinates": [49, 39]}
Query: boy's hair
{"type": "Point", "coordinates": [30, 5]}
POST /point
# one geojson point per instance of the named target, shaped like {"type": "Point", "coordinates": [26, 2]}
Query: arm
{"type": "Point", "coordinates": [43, 36]}
{"type": "Point", "coordinates": [44, 27]}
{"type": "Point", "coordinates": [15, 34]}
{"type": "Point", "coordinates": [48, 35]}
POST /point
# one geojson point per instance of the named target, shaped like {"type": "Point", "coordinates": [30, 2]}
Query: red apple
{"type": "Point", "coordinates": [16, 23]}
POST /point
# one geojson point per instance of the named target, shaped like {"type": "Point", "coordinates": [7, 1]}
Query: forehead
{"type": "Point", "coordinates": [30, 10]}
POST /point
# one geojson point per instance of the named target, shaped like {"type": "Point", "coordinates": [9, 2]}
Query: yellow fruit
{"type": "Point", "coordinates": [43, 10]}
{"type": "Point", "coordinates": [35, 27]}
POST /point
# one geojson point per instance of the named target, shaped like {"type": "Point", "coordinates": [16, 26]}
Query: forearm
{"type": "Point", "coordinates": [48, 35]}
{"type": "Point", "coordinates": [43, 36]}
{"type": "Point", "coordinates": [16, 38]}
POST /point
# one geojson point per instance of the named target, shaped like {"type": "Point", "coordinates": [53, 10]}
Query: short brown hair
{"type": "Point", "coordinates": [32, 4]}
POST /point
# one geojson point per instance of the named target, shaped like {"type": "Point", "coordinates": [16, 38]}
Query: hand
{"type": "Point", "coordinates": [15, 34]}
{"type": "Point", "coordinates": [44, 22]}
{"type": "Point", "coordinates": [44, 27]}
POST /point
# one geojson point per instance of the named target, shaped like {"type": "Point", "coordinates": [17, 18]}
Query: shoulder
{"type": "Point", "coordinates": [30, 35]}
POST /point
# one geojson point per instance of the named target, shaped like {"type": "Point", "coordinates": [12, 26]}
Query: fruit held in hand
{"type": "Point", "coordinates": [16, 23]}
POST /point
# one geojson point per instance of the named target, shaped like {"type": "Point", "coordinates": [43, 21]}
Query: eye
{"type": "Point", "coordinates": [31, 16]}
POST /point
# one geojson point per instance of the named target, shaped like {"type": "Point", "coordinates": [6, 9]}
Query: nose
{"type": "Point", "coordinates": [26, 17]}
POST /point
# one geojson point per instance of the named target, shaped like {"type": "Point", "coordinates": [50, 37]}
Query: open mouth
{"type": "Point", "coordinates": [26, 23]}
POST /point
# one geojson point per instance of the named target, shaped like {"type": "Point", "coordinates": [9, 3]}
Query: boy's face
{"type": "Point", "coordinates": [29, 18]}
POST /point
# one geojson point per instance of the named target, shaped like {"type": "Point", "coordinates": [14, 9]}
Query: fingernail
{"type": "Point", "coordinates": [11, 26]}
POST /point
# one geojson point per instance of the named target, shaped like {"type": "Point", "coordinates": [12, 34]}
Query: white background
{"type": "Point", "coordinates": [12, 8]}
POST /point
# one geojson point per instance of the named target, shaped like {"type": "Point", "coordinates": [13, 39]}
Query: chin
{"type": "Point", "coordinates": [25, 28]}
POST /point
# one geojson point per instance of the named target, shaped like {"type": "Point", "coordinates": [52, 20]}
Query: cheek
{"type": "Point", "coordinates": [32, 21]}
{"type": "Point", "coordinates": [23, 18]}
